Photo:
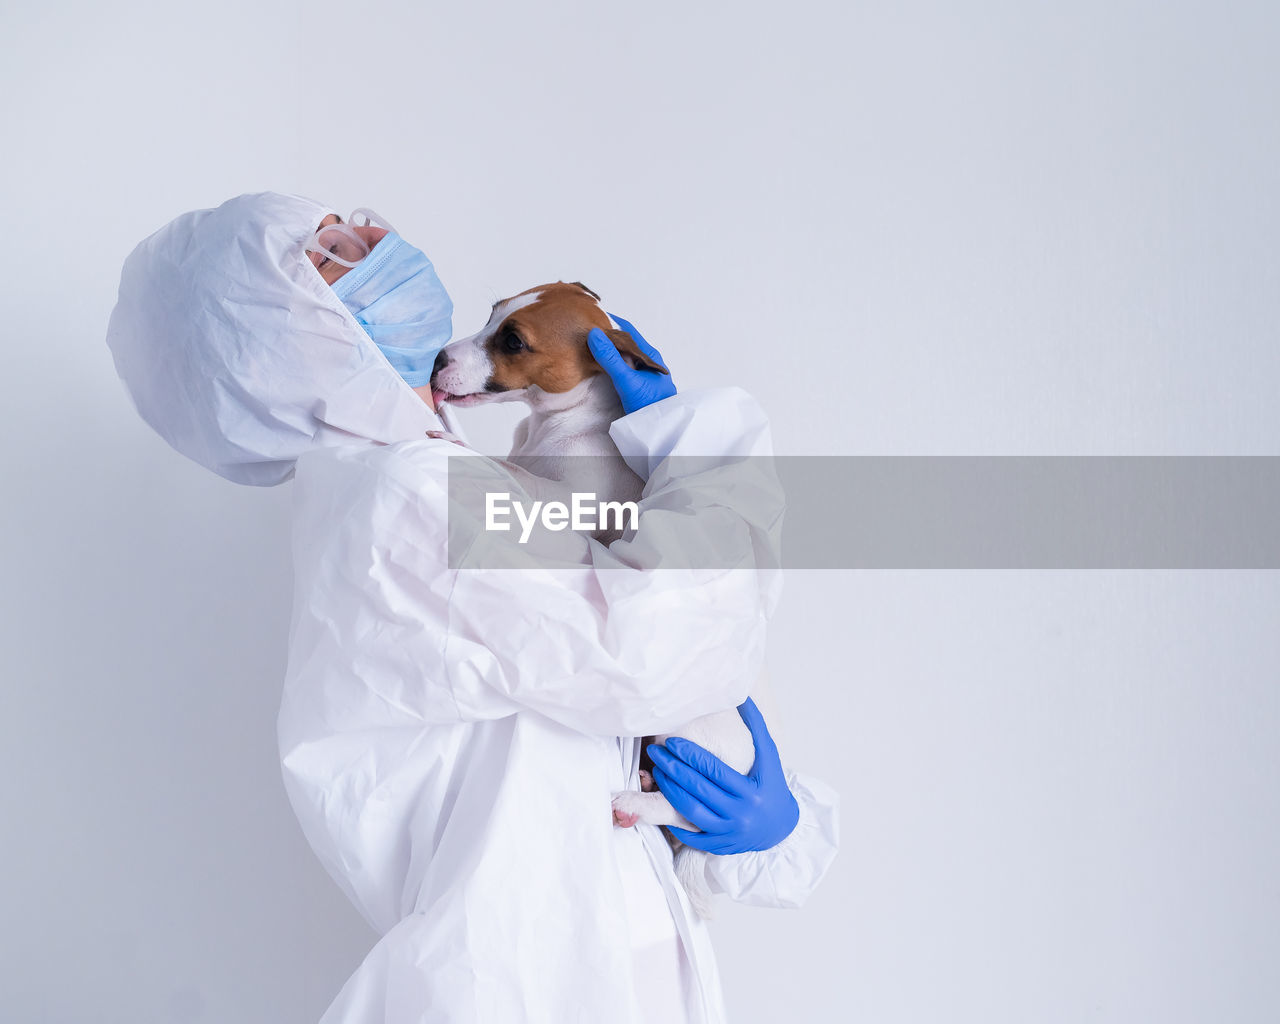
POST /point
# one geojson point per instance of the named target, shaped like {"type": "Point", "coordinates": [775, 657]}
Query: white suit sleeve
{"type": "Point", "coordinates": [786, 874]}
{"type": "Point", "coordinates": [620, 645]}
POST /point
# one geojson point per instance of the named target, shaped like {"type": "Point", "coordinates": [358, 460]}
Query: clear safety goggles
{"type": "Point", "coordinates": [340, 243]}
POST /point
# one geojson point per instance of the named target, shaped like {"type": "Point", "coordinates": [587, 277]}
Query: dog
{"type": "Point", "coordinates": [534, 350]}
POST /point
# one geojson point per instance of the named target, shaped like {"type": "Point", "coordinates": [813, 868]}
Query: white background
{"type": "Point", "coordinates": [909, 228]}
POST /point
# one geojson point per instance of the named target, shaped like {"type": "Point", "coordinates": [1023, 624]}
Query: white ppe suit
{"type": "Point", "coordinates": [450, 737]}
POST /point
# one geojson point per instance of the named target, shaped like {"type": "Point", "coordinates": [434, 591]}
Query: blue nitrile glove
{"type": "Point", "coordinates": [736, 812]}
{"type": "Point", "coordinates": [636, 388]}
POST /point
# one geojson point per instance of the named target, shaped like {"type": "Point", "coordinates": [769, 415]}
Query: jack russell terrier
{"type": "Point", "coordinates": [534, 350]}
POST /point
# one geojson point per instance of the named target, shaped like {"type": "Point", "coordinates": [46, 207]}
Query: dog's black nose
{"type": "Point", "coordinates": [442, 361]}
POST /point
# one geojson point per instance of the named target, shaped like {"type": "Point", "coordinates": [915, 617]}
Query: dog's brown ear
{"type": "Point", "coordinates": [625, 344]}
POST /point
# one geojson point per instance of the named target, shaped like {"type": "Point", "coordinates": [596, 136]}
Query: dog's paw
{"type": "Point", "coordinates": [625, 813]}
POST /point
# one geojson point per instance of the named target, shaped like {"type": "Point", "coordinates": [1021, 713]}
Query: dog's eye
{"type": "Point", "coordinates": [511, 342]}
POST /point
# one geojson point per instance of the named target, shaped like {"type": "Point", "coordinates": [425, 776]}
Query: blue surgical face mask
{"type": "Point", "coordinates": [396, 297]}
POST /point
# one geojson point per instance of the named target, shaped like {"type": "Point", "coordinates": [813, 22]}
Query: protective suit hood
{"type": "Point", "coordinates": [237, 352]}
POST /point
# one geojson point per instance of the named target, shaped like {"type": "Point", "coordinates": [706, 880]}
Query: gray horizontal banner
{"type": "Point", "coordinates": [924, 512]}
{"type": "Point", "coordinates": [1034, 512]}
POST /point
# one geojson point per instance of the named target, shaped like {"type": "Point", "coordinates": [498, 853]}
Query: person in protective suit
{"type": "Point", "coordinates": [450, 735]}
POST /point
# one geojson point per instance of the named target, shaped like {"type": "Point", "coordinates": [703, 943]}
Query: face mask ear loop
{"type": "Point", "coordinates": [371, 218]}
